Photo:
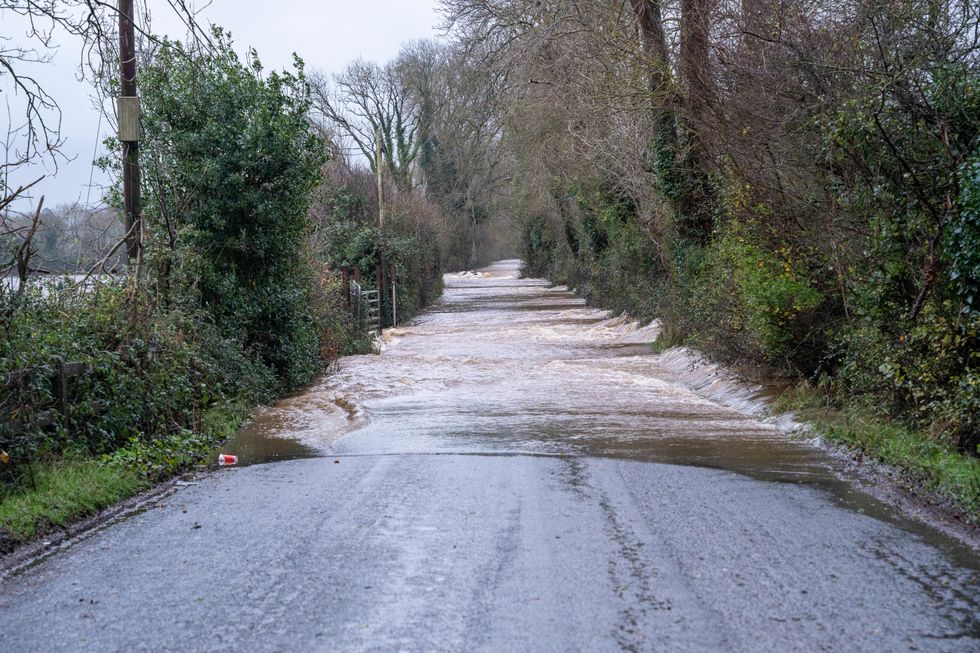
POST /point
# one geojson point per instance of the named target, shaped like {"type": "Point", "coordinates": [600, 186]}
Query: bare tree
{"type": "Point", "coordinates": [33, 133]}
{"type": "Point", "coordinates": [34, 125]}
{"type": "Point", "coordinates": [368, 102]}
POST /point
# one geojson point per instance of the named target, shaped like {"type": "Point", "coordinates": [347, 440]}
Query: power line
{"type": "Point", "coordinates": [95, 150]}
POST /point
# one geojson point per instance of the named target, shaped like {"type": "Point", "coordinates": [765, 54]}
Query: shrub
{"type": "Point", "coordinates": [233, 159]}
{"type": "Point", "coordinates": [155, 374]}
{"type": "Point", "coordinates": [347, 234]}
{"type": "Point", "coordinates": [774, 292]}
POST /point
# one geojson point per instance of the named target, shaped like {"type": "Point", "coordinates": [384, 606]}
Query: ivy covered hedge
{"type": "Point", "coordinates": [229, 307]}
{"type": "Point", "coordinates": [872, 294]}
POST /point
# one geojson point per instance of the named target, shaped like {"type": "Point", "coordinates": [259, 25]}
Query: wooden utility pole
{"type": "Point", "coordinates": [130, 132]}
{"type": "Point", "coordinates": [379, 166]}
{"type": "Point", "coordinates": [380, 267]}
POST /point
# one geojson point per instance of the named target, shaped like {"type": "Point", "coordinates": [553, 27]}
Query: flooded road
{"type": "Point", "coordinates": [509, 365]}
{"type": "Point", "coordinates": [505, 365]}
{"type": "Point", "coordinates": [517, 472]}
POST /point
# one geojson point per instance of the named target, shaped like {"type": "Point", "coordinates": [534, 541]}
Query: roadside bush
{"type": "Point", "coordinates": [537, 246]}
{"type": "Point", "coordinates": [413, 247]}
{"type": "Point", "coordinates": [155, 375]}
{"type": "Point", "coordinates": [621, 262]}
{"type": "Point", "coordinates": [774, 294]}
{"type": "Point", "coordinates": [910, 343]}
{"type": "Point", "coordinates": [346, 234]}
{"type": "Point", "coordinates": [862, 272]}
{"type": "Point", "coordinates": [598, 249]}
{"type": "Point", "coordinates": [233, 160]}
{"type": "Point", "coordinates": [229, 308]}
{"type": "Point", "coordinates": [963, 253]}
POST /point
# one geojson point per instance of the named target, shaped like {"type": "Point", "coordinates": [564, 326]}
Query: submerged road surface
{"type": "Point", "coordinates": [516, 472]}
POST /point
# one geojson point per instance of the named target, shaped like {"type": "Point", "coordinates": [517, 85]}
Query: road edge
{"type": "Point", "coordinates": [61, 538]}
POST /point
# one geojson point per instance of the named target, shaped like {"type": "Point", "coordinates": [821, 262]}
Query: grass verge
{"type": "Point", "coordinates": [927, 463]}
{"type": "Point", "coordinates": [63, 490]}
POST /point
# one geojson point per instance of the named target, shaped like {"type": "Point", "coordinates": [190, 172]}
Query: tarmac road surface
{"type": "Point", "coordinates": [516, 473]}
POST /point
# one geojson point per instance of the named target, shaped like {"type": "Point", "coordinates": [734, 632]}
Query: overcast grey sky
{"type": "Point", "coordinates": [326, 34]}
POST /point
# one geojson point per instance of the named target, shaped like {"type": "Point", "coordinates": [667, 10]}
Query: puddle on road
{"type": "Point", "coordinates": [302, 425]}
{"type": "Point", "coordinates": [503, 365]}
{"type": "Point", "coordinates": [256, 443]}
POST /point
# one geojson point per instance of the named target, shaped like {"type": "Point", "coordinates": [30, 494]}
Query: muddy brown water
{"type": "Point", "coordinates": [504, 365]}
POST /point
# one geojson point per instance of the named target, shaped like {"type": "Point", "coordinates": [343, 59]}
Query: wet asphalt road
{"type": "Point", "coordinates": [401, 542]}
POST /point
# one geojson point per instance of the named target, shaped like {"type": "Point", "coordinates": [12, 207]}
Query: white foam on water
{"type": "Point", "coordinates": [501, 361]}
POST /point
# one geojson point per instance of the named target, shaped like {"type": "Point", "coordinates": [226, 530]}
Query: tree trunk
{"type": "Point", "coordinates": [695, 202]}
{"type": "Point", "coordinates": [695, 57]}
{"type": "Point", "coordinates": [649, 22]}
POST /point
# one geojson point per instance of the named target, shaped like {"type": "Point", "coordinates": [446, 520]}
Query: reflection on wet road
{"type": "Point", "coordinates": [505, 365]}
{"type": "Point", "coordinates": [516, 472]}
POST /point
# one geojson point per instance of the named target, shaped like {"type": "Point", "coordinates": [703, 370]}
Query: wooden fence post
{"type": "Point", "coordinates": [61, 387]}
{"type": "Point", "coordinates": [346, 282]}
{"type": "Point", "coordinates": [394, 295]}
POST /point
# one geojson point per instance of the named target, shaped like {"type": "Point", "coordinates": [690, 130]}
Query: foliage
{"type": "Point", "coordinates": [232, 306]}
{"type": "Point", "coordinates": [427, 114]}
{"type": "Point", "coordinates": [910, 345]}
{"type": "Point", "coordinates": [346, 235]}
{"type": "Point", "coordinates": [153, 374]}
{"type": "Point", "coordinates": [537, 246]}
{"type": "Point", "coordinates": [964, 238]}
{"type": "Point", "coordinates": [232, 161]}
{"type": "Point", "coordinates": [599, 249]}
{"type": "Point", "coordinates": [805, 199]}
{"type": "Point", "coordinates": [65, 490]}
{"type": "Point", "coordinates": [774, 293]}
{"type": "Point", "coordinates": [169, 454]}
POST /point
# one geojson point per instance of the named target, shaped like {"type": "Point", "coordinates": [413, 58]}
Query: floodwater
{"type": "Point", "coordinates": [56, 282]}
{"type": "Point", "coordinates": [504, 365]}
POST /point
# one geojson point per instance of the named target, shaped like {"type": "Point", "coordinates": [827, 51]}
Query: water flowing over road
{"type": "Point", "coordinates": [515, 472]}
